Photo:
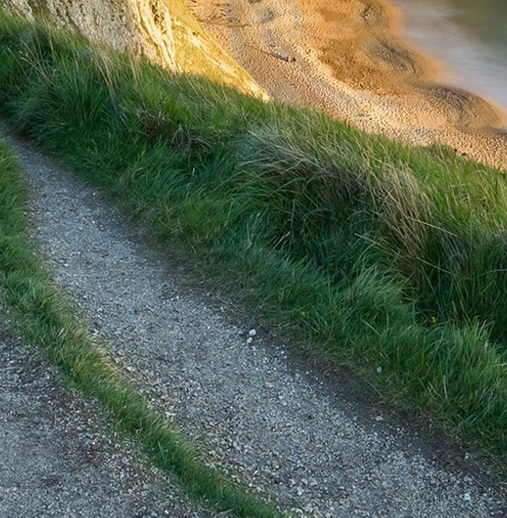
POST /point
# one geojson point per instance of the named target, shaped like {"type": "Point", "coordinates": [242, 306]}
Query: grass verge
{"type": "Point", "coordinates": [388, 257]}
{"type": "Point", "coordinates": [44, 319]}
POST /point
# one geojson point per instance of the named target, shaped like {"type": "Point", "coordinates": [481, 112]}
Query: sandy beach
{"type": "Point", "coordinates": [348, 59]}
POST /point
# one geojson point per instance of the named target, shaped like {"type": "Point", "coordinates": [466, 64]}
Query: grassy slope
{"type": "Point", "coordinates": [46, 319]}
{"type": "Point", "coordinates": [371, 252]}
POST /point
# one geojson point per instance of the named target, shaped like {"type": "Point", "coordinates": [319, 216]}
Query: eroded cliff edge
{"type": "Point", "coordinates": [164, 31]}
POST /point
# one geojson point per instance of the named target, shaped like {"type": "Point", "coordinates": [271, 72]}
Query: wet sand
{"type": "Point", "coordinates": [349, 59]}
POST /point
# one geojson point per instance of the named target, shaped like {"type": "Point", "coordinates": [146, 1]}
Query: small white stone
{"type": "Point", "coordinates": [252, 332]}
{"type": "Point", "coordinates": [379, 370]}
{"type": "Point", "coordinates": [467, 497]}
{"type": "Point", "coordinates": [249, 340]}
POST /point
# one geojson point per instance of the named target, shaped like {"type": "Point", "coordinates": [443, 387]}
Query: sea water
{"type": "Point", "coordinates": [468, 36]}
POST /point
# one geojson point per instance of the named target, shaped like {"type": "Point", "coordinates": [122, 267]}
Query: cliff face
{"type": "Point", "coordinates": [163, 31]}
{"type": "Point", "coordinates": [139, 26]}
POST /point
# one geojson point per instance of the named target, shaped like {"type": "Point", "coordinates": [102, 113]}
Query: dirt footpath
{"type": "Point", "coordinates": [346, 57]}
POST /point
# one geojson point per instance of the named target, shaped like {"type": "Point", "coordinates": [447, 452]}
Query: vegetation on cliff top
{"type": "Point", "coordinates": [391, 258]}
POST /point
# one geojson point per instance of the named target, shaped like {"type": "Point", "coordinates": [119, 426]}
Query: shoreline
{"type": "Point", "coordinates": [352, 61]}
{"type": "Point", "coordinates": [472, 61]}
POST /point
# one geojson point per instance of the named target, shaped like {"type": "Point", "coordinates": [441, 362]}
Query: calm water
{"type": "Point", "coordinates": [469, 36]}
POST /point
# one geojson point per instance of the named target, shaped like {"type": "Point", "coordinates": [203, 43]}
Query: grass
{"type": "Point", "coordinates": [367, 251]}
{"type": "Point", "coordinates": [46, 319]}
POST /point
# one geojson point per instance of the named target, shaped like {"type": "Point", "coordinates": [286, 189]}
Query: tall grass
{"type": "Point", "coordinates": [368, 251]}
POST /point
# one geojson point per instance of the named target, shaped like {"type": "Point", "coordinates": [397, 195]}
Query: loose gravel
{"type": "Point", "coordinates": [61, 456]}
{"type": "Point", "coordinates": [277, 428]}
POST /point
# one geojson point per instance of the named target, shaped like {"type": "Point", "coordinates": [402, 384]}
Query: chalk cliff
{"type": "Point", "coordinates": [164, 31]}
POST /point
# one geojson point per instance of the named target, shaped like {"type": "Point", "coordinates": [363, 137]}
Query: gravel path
{"type": "Point", "coordinates": [280, 430]}
{"type": "Point", "coordinates": [62, 458]}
